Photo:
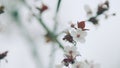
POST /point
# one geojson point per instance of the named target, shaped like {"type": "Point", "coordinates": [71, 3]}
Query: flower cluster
{"type": "Point", "coordinates": [77, 64]}
{"type": "Point", "coordinates": [74, 35]}
{"type": "Point", "coordinates": [77, 34]}
{"type": "Point", "coordinates": [101, 9]}
{"type": "Point", "coordinates": [70, 55]}
{"type": "Point", "coordinates": [85, 64]}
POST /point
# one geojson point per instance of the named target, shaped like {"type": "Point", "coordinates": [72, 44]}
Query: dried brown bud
{"type": "Point", "coordinates": [3, 55]}
{"type": "Point", "coordinates": [107, 3]}
{"type": "Point", "coordinates": [93, 20]}
{"type": "Point", "coordinates": [81, 24]}
{"type": "Point", "coordinates": [102, 8]}
{"type": "Point", "coordinates": [67, 61]}
{"type": "Point", "coordinates": [72, 25]}
{"type": "Point", "coordinates": [47, 38]}
{"type": "Point", "coordinates": [69, 38]}
{"type": "Point", "coordinates": [43, 8]}
{"type": "Point", "coordinates": [114, 14]}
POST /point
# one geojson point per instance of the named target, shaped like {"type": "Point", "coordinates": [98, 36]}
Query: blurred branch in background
{"type": "Point", "coordinates": [32, 44]}
{"type": "Point", "coordinates": [53, 50]}
{"type": "Point", "coordinates": [51, 34]}
{"type": "Point", "coordinates": [56, 16]}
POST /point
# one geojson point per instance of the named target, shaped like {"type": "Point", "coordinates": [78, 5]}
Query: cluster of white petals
{"type": "Point", "coordinates": [71, 51]}
{"type": "Point", "coordinates": [74, 35]}
{"type": "Point", "coordinates": [78, 35]}
{"type": "Point", "coordinates": [81, 64]}
{"type": "Point", "coordinates": [85, 64]}
{"type": "Point", "coordinates": [59, 66]}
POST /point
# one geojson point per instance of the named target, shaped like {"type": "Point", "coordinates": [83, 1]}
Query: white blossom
{"type": "Point", "coordinates": [80, 65]}
{"type": "Point", "coordinates": [79, 35]}
{"type": "Point", "coordinates": [71, 51]}
{"type": "Point", "coordinates": [59, 66]}
{"type": "Point", "coordinates": [85, 64]}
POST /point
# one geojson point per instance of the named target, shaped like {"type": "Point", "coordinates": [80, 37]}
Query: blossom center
{"type": "Point", "coordinates": [71, 52]}
{"type": "Point", "coordinates": [78, 35]}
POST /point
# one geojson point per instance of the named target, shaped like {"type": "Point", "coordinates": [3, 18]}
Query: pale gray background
{"type": "Point", "coordinates": [102, 42]}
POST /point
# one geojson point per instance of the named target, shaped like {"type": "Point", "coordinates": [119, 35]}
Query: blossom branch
{"type": "Point", "coordinates": [52, 55]}
{"type": "Point", "coordinates": [100, 11]}
{"type": "Point", "coordinates": [51, 34]}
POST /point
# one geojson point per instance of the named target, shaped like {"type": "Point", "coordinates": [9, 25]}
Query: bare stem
{"type": "Point", "coordinates": [56, 14]}
{"type": "Point", "coordinates": [58, 5]}
{"type": "Point", "coordinates": [52, 55]}
{"type": "Point", "coordinates": [52, 34]}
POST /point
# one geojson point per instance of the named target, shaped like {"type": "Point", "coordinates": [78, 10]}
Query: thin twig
{"type": "Point", "coordinates": [56, 14]}
{"type": "Point", "coordinates": [52, 34]}
{"type": "Point", "coordinates": [58, 5]}
{"type": "Point", "coordinates": [52, 56]}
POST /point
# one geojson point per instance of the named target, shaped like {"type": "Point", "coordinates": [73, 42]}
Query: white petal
{"type": "Point", "coordinates": [77, 53]}
{"type": "Point", "coordinates": [82, 40]}
{"type": "Point", "coordinates": [76, 64]}
{"type": "Point", "coordinates": [84, 34]}
{"type": "Point", "coordinates": [73, 33]}
{"type": "Point", "coordinates": [73, 48]}
{"type": "Point", "coordinates": [59, 66]}
{"type": "Point", "coordinates": [67, 48]}
{"type": "Point", "coordinates": [79, 29]}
